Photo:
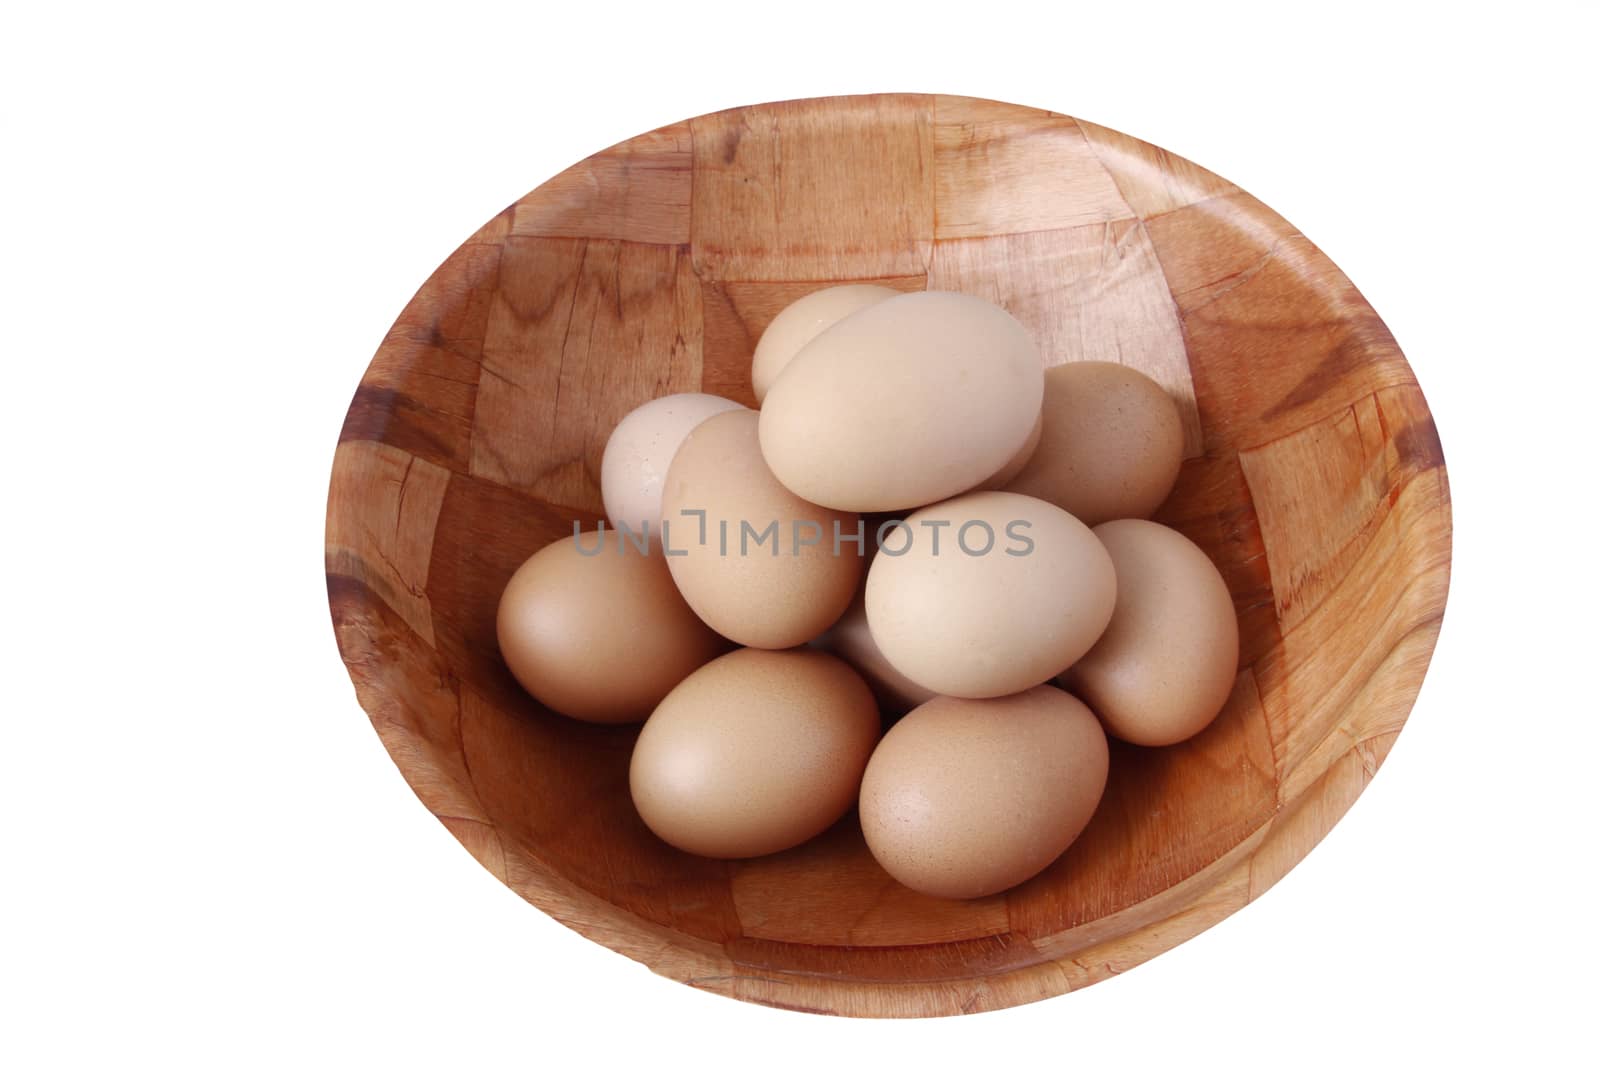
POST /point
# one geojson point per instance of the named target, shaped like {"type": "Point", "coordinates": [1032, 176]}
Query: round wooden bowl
{"type": "Point", "coordinates": [1314, 479]}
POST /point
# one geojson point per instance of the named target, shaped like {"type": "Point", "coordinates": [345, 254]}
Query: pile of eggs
{"type": "Point", "coordinates": [922, 525]}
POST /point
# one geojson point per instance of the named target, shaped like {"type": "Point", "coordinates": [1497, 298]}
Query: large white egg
{"type": "Point", "coordinates": [909, 401]}
{"type": "Point", "coordinates": [798, 324]}
{"type": "Point", "coordinates": [640, 450]}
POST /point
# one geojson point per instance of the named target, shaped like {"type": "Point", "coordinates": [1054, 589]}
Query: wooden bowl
{"type": "Point", "coordinates": [1314, 479]}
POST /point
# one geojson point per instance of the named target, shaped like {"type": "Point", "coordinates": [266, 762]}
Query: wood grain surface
{"type": "Point", "coordinates": [1315, 480]}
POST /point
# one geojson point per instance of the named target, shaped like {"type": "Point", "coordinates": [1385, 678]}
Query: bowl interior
{"type": "Point", "coordinates": [1314, 479]}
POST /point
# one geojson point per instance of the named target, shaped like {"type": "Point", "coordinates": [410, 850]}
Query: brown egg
{"type": "Point", "coordinates": [759, 566]}
{"type": "Point", "coordinates": [599, 634]}
{"type": "Point", "coordinates": [851, 640]}
{"type": "Point", "coordinates": [988, 594]}
{"type": "Point", "coordinates": [1111, 447]}
{"type": "Point", "coordinates": [755, 752]}
{"type": "Point", "coordinates": [964, 798]}
{"type": "Point", "coordinates": [1168, 659]}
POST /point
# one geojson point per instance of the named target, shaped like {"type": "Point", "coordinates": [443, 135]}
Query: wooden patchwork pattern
{"type": "Point", "coordinates": [634, 191]}
{"type": "Point", "coordinates": [612, 321]}
{"type": "Point", "coordinates": [814, 190]}
{"type": "Point", "coordinates": [1002, 169]}
{"type": "Point", "coordinates": [1092, 292]}
{"type": "Point", "coordinates": [1315, 480]}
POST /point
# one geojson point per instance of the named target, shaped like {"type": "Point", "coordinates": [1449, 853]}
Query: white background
{"type": "Point", "coordinates": [212, 214]}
